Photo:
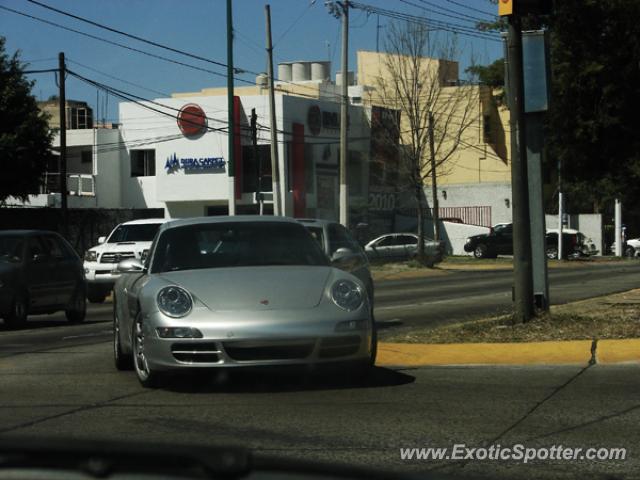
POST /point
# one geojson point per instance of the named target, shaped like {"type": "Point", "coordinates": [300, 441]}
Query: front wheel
{"type": "Point", "coordinates": [552, 253]}
{"type": "Point", "coordinates": [481, 251]}
{"type": "Point", "coordinates": [147, 377]}
{"type": "Point", "coordinates": [96, 294]}
{"type": "Point", "coordinates": [77, 310]}
{"type": "Point", "coordinates": [17, 317]}
{"type": "Point", "coordinates": [121, 361]}
{"type": "Point", "coordinates": [629, 252]}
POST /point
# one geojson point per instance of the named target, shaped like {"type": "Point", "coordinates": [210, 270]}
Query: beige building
{"type": "Point", "coordinates": [79, 114]}
{"type": "Point", "coordinates": [483, 151]}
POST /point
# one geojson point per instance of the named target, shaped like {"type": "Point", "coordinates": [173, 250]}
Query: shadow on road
{"type": "Point", "coordinates": [279, 380]}
{"type": "Point", "coordinates": [44, 323]}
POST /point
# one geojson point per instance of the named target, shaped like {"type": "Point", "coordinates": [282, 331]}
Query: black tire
{"type": "Point", "coordinates": [481, 251]}
{"type": "Point", "coordinates": [77, 310]}
{"type": "Point", "coordinates": [17, 316]}
{"type": "Point", "coordinates": [374, 344]}
{"type": "Point", "coordinates": [96, 295]}
{"type": "Point", "coordinates": [121, 360]}
{"type": "Point", "coordinates": [552, 253]}
{"type": "Point", "coordinates": [148, 378]}
{"type": "Point", "coordinates": [630, 252]}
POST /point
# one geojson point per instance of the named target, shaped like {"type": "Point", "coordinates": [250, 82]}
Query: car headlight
{"type": "Point", "coordinates": [174, 301]}
{"type": "Point", "coordinates": [347, 295]}
{"type": "Point", "coordinates": [90, 256]}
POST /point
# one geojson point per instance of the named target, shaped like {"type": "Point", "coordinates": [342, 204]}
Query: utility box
{"type": "Point", "coordinates": [535, 66]}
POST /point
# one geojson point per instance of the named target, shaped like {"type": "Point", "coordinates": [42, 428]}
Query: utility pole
{"type": "Point", "coordinates": [522, 264]}
{"type": "Point", "coordinates": [434, 185]}
{"type": "Point", "coordinates": [63, 144]}
{"type": "Point", "coordinates": [231, 164]}
{"type": "Point", "coordinates": [344, 115]}
{"type": "Point", "coordinates": [278, 209]}
{"type": "Point", "coordinates": [618, 228]}
{"type": "Point", "coordinates": [378, 33]}
{"type": "Point", "coordinates": [560, 210]}
{"type": "Point", "coordinates": [258, 161]}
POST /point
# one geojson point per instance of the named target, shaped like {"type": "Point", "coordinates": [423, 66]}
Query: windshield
{"type": "Point", "coordinates": [219, 245]}
{"type": "Point", "coordinates": [317, 234]}
{"type": "Point", "coordinates": [134, 233]}
{"type": "Point", "coordinates": [11, 248]}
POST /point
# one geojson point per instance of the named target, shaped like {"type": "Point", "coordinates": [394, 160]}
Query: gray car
{"type": "Point", "coordinates": [234, 292]}
{"type": "Point", "coordinates": [39, 273]}
{"type": "Point", "coordinates": [402, 246]}
{"type": "Point", "coordinates": [343, 250]}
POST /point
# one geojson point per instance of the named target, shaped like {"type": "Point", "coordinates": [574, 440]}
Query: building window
{"type": "Point", "coordinates": [143, 163]}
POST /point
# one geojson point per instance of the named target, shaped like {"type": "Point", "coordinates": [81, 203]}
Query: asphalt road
{"type": "Point", "coordinates": [75, 393]}
{"type": "Point", "coordinates": [57, 381]}
{"type": "Point", "coordinates": [464, 295]}
{"type": "Point", "coordinates": [400, 304]}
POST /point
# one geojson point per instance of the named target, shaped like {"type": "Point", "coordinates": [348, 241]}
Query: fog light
{"type": "Point", "coordinates": [178, 332]}
{"type": "Point", "coordinates": [349, 325]}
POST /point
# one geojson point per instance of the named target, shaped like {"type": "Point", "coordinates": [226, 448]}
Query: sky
{"type": "Point", "coordinates": [301, 30]}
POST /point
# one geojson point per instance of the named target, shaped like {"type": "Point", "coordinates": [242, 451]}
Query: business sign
{"type": "Point", "coordinates": [195, 164]}
{"type": "Point", "coordinates": [318, 119]}
{"type": "Point", "coordinates": [192, 120]}
{"type": "Point", "coordinates": [505, 7]}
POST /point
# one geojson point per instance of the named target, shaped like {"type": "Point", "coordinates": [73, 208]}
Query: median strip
{"type": "Point", "coordinates": [577, 352]}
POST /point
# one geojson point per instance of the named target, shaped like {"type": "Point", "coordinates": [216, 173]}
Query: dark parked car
{"type": "Point", "coordinates": [39, 273]}
{"type": "Point", "coordinates": [574, 244]}
{"type": "Point", "coordinates": [499, 241]}
{"type": "Point", "coordinates": [342, 249]}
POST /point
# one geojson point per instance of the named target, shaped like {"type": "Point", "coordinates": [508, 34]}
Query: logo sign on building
{"type": "Point", "coordinates": [314, 119]}
{"type": "Point", "coordinates": [195, 164]}
{"type": "Point", "coordinates": [192, 120]}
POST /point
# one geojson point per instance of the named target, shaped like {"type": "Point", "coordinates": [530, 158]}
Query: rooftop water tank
{"type": "Point", "coordinates": [320, 70]}
{"type": "Point", "coordinates": [301, 71]}
{"type": "Point", "coordinates": [284, 72]}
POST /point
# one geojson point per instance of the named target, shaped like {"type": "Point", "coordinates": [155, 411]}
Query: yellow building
{"type": "Point", "coordinates": [483, 151]}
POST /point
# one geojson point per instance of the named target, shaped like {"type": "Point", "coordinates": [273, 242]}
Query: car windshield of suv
{"type": "Point", "coordinates": [134, 233]}
{"type": "Point", "coordinates": [219, 245]}
{"type": "Point", "coordinates": [11, 248]}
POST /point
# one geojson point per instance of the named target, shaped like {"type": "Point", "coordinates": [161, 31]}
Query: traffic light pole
{"type": "Point", "coordinates": [522, 265]}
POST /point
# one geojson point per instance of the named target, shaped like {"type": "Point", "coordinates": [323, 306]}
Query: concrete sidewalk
{"type": "Point", "coordinates": [578, 352]}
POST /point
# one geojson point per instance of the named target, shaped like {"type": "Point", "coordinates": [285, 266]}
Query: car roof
{"type": "Point", "coordinates": [182, 222]}
{"type": "Point", "coordinates": [315, 221]}
{"type": "Point", "coordinates": [564, 230]}
{"type": "Point", "coordinates": [145, 221]}
{"type": "Point", "coordinates": [24, 232]}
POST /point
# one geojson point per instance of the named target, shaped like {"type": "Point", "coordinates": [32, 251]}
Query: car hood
{"type": "Point", "coordinates": [478, 237]}
{"type": "Point", "coordinates": [248, 288]}
{"type": "Point", "coordinates": [136, 247]}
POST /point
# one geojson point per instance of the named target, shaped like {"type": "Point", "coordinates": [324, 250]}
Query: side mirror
{"type": "Point", "coordinates": [101, 240]}
{"type": "Point", "coordinates": [130, 265]}
{"type": "Point", "coordinates": [341, 254]}
{"type": "Point", "coordinates": [144, 255]}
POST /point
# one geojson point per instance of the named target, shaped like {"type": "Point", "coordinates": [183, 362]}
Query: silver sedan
{"type": "Point", "coordinates": [237, 291]}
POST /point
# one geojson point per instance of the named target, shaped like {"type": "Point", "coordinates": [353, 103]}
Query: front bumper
{"type": "Point", "coordinates": [101, 273]}
{"type": "Point", "coordinates": [248, 339]}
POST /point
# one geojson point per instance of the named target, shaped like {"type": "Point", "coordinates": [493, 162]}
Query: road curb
{"type": "Point", "coordinates": [576, 352]}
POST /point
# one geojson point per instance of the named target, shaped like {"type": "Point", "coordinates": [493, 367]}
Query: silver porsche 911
{"type": "Point", "coordinates": [238, 291]}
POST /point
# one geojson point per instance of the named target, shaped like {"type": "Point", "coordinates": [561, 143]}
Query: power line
{"type": "Point", "coordinates": [438, 10]}
{"type": "Point", "coordinates": [150, 42]}
{"type": "Point", "coordinates": [293, 24]}
{"type": "Point", "coordinates": [143, 102]}
{"type": "Point", "coordinates": [135, 37]}
{"type": "Point", "coordinates": [432, 24]}
{"type": "Point", "coordinates": [472, 9]}
{"type": "Point", "coordinates": [104, 40]}
{"type": "Point", "coordinates": [118, 79]}
{"type": "Point", "coordinates": [455, 12]}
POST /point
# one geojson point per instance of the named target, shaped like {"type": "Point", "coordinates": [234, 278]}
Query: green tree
{"type": "Point", "coordinates": [492, 74]}
{"type": "Point", "coordinates": [25, 140]}
{"type": "Point", "coordinates": [593, 121]}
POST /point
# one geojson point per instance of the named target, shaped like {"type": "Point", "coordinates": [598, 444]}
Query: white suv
{"type": "Point", "coordinates": [127, 240]}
